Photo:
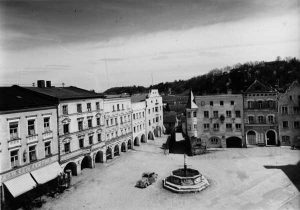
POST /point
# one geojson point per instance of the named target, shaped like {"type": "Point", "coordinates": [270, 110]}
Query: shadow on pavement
{"type": "Point", "coordinates": [292, 172]}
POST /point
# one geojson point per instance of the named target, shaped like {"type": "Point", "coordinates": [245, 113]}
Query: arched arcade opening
{"type": "Point", "coordinates": [136, 141]}
{"type": "Point", "coordinates": [116, 150]}
{"type": "Point", "coordinates": [71, 166]}
{"type": "Point", "coordinates": [234, 142]}
{"type": "Point", "coordinates": [123, 147]}
{"type": "Point", "coordinates": [143, 138]}
{"type": "Point", "coordinates": [99, 157]}
{"type": "Point", "coordinates": [129, 144]}
{"type": "Point", "coordinates": [108, 153]}
{"type": "Point", "coordinates": [150, 136]}
{"type": "Point", "coordinates": [86, 162]}
{"type": "Point", "coordinates": [271, 137]}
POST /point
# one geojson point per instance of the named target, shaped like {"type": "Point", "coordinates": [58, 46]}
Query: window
{"type": "Point", "coordinates": [13, 130]}
{"type": "Point", "coordinates": [296, 109]}
{"type": "Point", "coordinates": [134, 129]}
{"type": "Point", "coordinates": [98, 120]}
{"type": "Point", "coordinates": [260, 104]}
{"type": "Point", "coordinates": [65, 109]}
{"type": "Point", "coordinates": [231, 102]}
{"type": "Point", "coordinates": [14, 158]}
{"type": "Point", "coordinates": [216, 114]}
{"type": "Point", "coordinates": [97, 106]}
{"type": "Point", "coordinates": [211, 103]}
{"type": "Point", "coordinates": [250, 104]}
{"type": "Point", "coordinates": [134, 116]}
{"type": "Point", "coordinates": [67, 147]}
{"type": "Point", "coordinates": [47, 149]}
{"type": "Point", "coordinates": [80, 125]}
{"type": "Point", "coordinates": [143, 114]}
{"type": "Point", "coordinates": [114, 108]}
{"type": "Point", "coordinates": [271, 119]}
{"type": "Point", "coordinates": [116, 121]}
{"type": "Point", "coordinates": [206, 126]}
{"type": "Point", "coordinates": [148, 111]}
{"type": "Point", "coordinates": [260, 119]}
{"type": "Point", "coordinates": [228, 113]}
{"type": "Point", "coordinates": [90, 139]}
{"type": "Point", "coordinates": [129, 118]}
{"type": "Point", "coordinates": [206, 114]}
{"type": "Point", "coordinates": [107, 122]}
{"type": "Point", "coordinates": [297, 124]}
{"type": "Point", "coordinates": [149, 122]}
{"type": "Point", "coordinates": [228, 126]}
{"type": "Point", "coordinates": [189, 114]}
{"type": "Point", "coordinates": [221, 103]}
{"type": "Point", "coordinates": [66, 128]}
{"type": "Point", "coordinates": [31, 127]}
{"type": "Point", "coordinates": [195, 114]}
{"type": "Point", "coordinates": [88, 106]}
{"type": "Point", "coordinates": [238, 126]}
{"type": "Point", "coordinates": [284, 110]}
{"type": "Point", "coordinates": [122, 106]}
{"type": "Point", "coordinates": [79, 108]}
{"type": "Point", "coordinates": [118, 107]}
{"type": "Point", "coordinates": [121, 119]}
{"type": "Point", "coordinates": [99, 137]}
{"type": "Point", "coordinates": [195, 126]}
{"type": "Point", "coordinates": [111, 121]}
{"type": "Point", "coordinates": [214, 140]}
{"type": "Point", "coordinates": [90, 123]}
{"type": "Point", "coordinates": [32, 154]}
{"type": "Point", "coordinates": [285, 124]}
{"type": "Point", "coordinates": [237, 114]}
{"type": "Point", "coordinates": [81, 143]}
{"type": "Point", "coordinates": [286, 140]}
{"type": "Point", "coordinates": [47, 124]}
{"type": "Point", "coordinates": [251, 119]}
{"type": "Point", "coordinates": [216, 126]}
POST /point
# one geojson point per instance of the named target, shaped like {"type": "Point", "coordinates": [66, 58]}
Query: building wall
{"type": "Point", "coordinates": [23, 141]}
{"type": "Point", "coordinates": [154, 114]}
{"type": "Point", "coordinates": [72, 118]}
{"type": "Point", "coordinates": [216, 137]}
{"type": "Point", "coordinates": [260, 128]}
{"type": "Point", "coordinates": [290, 101]}
{"type": "Point", "coordinates": [139, 121]}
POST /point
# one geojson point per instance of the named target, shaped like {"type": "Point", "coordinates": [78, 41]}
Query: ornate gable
{"type": "Point", "coordinates": [257, 86]}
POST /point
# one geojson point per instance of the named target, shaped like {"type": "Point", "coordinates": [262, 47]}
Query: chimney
{"type": "Point", "coordinates": [41, 83]}
{"type": "Point", "coordinates": [48, 84]}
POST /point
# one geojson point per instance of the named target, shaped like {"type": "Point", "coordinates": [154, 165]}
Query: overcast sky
{"type": "Point", "coordinates": [96, 44]}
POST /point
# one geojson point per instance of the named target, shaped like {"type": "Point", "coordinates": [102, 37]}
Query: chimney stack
{"type": "Point", "coordinates": [48, 84]}
{"type": "Point", "coordinates": [41, 83]}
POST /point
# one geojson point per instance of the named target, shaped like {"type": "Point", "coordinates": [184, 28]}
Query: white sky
{"type": "Point", "coordinates": [141, 46]}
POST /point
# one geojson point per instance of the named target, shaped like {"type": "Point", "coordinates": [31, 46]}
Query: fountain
{"type": "Point", "coordinates": [185, 180]}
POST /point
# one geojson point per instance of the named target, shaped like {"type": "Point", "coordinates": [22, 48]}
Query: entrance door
{"type": "Point", "coordinates": [271, 138]}
{"type": "Point", "coordinates": [251, 138]}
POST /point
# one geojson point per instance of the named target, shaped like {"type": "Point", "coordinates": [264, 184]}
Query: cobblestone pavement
{"type": "Point", "coordinates": [252, 178]}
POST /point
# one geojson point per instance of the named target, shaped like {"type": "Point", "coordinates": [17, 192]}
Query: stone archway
{"type": "Point", "coordinates": [251, 138]}
{"type": "Point", "coordinates": [136, 141]}
{"type": "Point", "coordinates": [116, 150]}
{"type": "Point", "coordinates": [86, 162]}
{"type": "Point", "coordinates": [71, 166]}
{"type": "Point", "coordinates": [271, 137]}
{"type": "Point", "coordinates": [234, 142]}
{"type": "Point", "coordinates": [214, 142]}
{"type": "Point", "coordinates": [123, 147]}
{"type": "Point", "coordinates": [150, 135]}
{"type": "Point", "coordinates": [108, 153]}
{"type": "Point", "coordinates": [99, 157]}
{"type": "Point", "coordinates": [129, 144]}
{"type": "Point", "coordinates": [143, 138]}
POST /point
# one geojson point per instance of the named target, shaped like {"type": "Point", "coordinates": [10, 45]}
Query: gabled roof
{"type": "Point", "coordinates": [295, 84]}
{"type": "Point", "coordinates": [191, 104]}
{"type": "Point", "coordinates": [139, 97]}
{"type": "Point", "coordinates": [17, 98]}
{"type": "Point", "coordinates": [257, 86]}
{"type": "Point", "coordinates": [65, 93]}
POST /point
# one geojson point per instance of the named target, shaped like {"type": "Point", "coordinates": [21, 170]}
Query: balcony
{"type": "Point", "coordinates": [14, 143]}
{"type": "Point", "coordinates": [32, 138]}
{"type": "Point", "coordinates": [47, 135]}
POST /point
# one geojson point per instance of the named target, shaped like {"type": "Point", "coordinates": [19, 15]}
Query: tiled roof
{"type": "Point", "coordinates": [65, 93]}
{"type": "Point", "coordinates": [139, 97]}
{"type": "Point", "coordinates": [16, 98]}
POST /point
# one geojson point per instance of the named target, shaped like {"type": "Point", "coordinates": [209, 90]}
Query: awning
{"type": "Point", "coordinates": [20, 184]}
{"type": "Point", "coordinates": [46, 173]}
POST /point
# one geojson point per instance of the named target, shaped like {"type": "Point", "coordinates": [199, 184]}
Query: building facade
{"type": "Point", "coordinates": [289, 116]}
{"type": "Point", "coordinates": [29, 143]}
{"type": "Point", "coordinates": [216, 119]}
{"type": "Point", "coordinates": [118, 130]}
{"type": "Point", "coordinates": [154, 114]}
{"type": "Point", "coordinates": [138, 122]}
{"type": "Point", "coordinates": [260, 114]}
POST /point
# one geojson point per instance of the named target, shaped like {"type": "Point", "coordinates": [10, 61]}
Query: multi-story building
{"type": "Point", "coordinates": [138, 122]}
{"type": "Point", "coordinates": [260, 114]}
{"type": "Point", "coordinates": [289, 116]}
{"type": "Point", "coordinates": [216, 119]}
{"type": "Point", "coordinates": [28, 142]}
{"type": "Point", "coordinates": [118, 131]}
{"type": "Point", "coordinates": [80, 125]}
{"type": "Point", "coordinates": [154, 114]}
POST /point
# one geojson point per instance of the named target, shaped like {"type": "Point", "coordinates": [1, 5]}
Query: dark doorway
{"type": "Point", "coordinates": [99, 157]}
{"type": "Point", "coordinates": [136, 141]}
{"type": "Point", "coordinates": [116, 150]}
{"type": "Point", "coordinates": [108, 153]}
{"type": "Point", "coordinates": [73, 167]}
{"type": "Point", "coordinates": [123, 147]}
{"type": "Point", "coordinates": [86, 162]}
{"type": "Point", "coordinates": [233, 142]}
{"type": "Point", "coordinates": [251, 138]}
{"type": "Point", "coordinates": [271, 138]}
{"type": "Point", "coordinates": [150, 136]}
{"type": "Point", "coordinates": [129, 146]}
{"type": "Point", "coordinates": [143, 138]}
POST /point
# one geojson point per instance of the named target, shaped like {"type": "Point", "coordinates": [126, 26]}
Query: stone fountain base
{"type": "Point", "coordinates": [185, 180]}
